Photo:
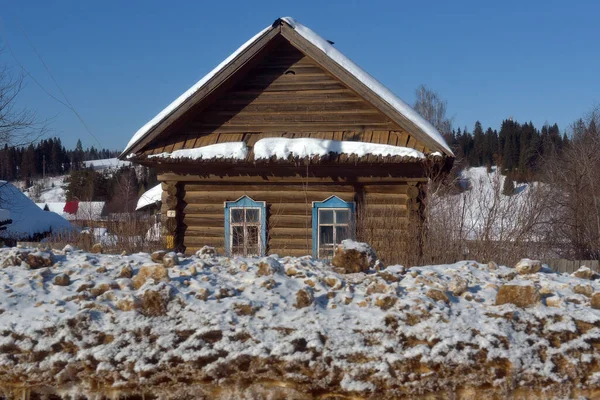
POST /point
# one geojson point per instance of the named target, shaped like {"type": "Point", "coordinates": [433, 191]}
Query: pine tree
{"type": "Point", "coordinates": [508, 188]}
{"type": "Point", "coordinates": [478, 145]}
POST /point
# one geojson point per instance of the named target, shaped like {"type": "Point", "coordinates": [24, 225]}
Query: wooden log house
{"type": "Point", "coordinates": [287, 147]}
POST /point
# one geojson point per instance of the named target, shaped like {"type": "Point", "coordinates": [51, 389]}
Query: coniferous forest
{"type": "Point", "coordinates": [518, 149]}
{"type": "Point", "coordinates": [27, 162]}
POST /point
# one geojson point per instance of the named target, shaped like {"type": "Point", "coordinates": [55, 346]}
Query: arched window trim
{"type": "Point", "coordinates": [332, 202]}
{"type": "Point", "coordinates": [245, 202]}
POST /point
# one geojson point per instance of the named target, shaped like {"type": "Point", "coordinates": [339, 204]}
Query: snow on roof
{"type": "Point", "coordinates": [340, 59]}
{"type": "Point", "coordinates": [139, 135]}
{"type": "Point", "coordinates": [28, 219]}
{"type": "Point", "coordinates": [106, 163]}
{"type": "Point", "coordinates": [282, 148]}
{"type": "Point", "coordinates": [232, 150]}
{"type": "Point", "coordinates": [4, 215]}
{"type": "Point", "coordinates": [84, 210]}
{"type": "Point", "coordinates": [151, 196]}
{"type": "Point", "coordinates": [368, 81]}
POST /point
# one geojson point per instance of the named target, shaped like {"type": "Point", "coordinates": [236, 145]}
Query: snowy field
{"type": "Point", "coordinates": [84, 325]}
{"type": "Point", "coordinates": [53, 190]}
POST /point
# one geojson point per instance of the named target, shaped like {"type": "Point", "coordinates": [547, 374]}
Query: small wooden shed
{"type": "Point", "coordinates": [287, 147]}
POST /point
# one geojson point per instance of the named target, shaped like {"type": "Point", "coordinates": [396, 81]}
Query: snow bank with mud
{"type": "Point", "coordinates": [83, 324]}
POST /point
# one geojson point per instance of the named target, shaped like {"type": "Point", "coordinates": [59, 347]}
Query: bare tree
{"type": "Point", "coordinates": [433, 108]}
{"type": "Point", "coordinates": [574, 176]}
{"type": "Point", "coordinates": [18, 126]}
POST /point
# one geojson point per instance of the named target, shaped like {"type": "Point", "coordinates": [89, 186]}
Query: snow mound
{"type": "Point", "coordinates": [27, 218]}
{"type": "Point", "coordinates": [106, 325]}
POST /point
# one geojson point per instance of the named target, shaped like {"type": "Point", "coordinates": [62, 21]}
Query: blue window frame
{"type": "Point", "coordinates": [332, 222]}
{"type": "Point", "coordinates": [245, 227]}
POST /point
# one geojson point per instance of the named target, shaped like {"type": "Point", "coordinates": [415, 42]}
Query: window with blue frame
{"type": "Point", "coordinates": [332, 222]}
{"type": "Point", "coordinates": [245, 227]}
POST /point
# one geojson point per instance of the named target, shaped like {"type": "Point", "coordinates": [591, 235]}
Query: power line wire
{"type": "Point", "coordinates": [67, 103]}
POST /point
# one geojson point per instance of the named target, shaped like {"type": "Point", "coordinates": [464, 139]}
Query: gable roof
{"type": "Point", "coordinates": [324, 54]}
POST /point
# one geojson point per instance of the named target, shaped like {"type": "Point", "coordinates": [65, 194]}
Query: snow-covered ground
{"type": "Point", "coordinates": [215, 327]}
{"type": "Point", "coordinates": [27, 218]}
{"type": "Point", "coordinates": [106, 164]}
{"type": "Point", "coordinates": [483, 211]}
{"type": "Point", "coordinates": [52, 190]}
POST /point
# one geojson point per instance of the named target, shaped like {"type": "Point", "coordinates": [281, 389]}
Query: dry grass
{"type": "Point", "coordinates": [128, 232]}
{"type": "Point", "coordinates": [479, 223]}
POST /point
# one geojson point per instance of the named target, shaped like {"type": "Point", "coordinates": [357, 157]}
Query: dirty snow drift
{"type": "Point", "coordinates": [90, 325]}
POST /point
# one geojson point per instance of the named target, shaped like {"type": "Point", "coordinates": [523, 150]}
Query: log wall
{"type": "Point", "coordinates": [289, 210]}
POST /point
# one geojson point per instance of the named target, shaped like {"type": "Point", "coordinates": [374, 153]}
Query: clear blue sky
{"type": "Point", "coordinates": [121, 62]}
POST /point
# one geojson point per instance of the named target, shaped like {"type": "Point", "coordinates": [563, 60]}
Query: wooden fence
{"type": "Point", "coordinates": [562, 265]}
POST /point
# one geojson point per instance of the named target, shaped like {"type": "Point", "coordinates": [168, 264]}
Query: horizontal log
{"type": "Point", "coordinates": [303, 97]}
{"type": "Point", "coordinates": [383, 234]}
{"type": "Point", "coordinates": [254, 178]}
{"type": "Point", "coordinates": [290, 209]}
{"type": "Point", "coordinates": [268, 187]}
{"type": "Point", "coordinates": [207, 231]}
{"type": "Point", "coordinates": [284, 87]}
{"type": "Point", "coordinates": [302, 117]}
{"type": "Point", "coordinates": [290, 221]}
{"type": "Point", "coordinates": [291, 243]}
{"type": "Point", "coordinates": [212, 127]}
{"type": "Point", "coordinates": [278, 232]}
{"type": "Point", "coordinates": [203, 208]}
{"type": "Point", "coordinates": [286, 109]}
{"type": "Point", "coordinates": [196, 241]}
{"type": "Point", "coordinates": [386, 188]}
{"type": "Point", "coordinates": [384, 198]}
{"type": "Point", "coordinates": [383, 210]}
{"type": "Point", "coordinates": [299, 196]}
{"type": "Point", "coordinates": [275, 80]}
{"type": "Point", "coordinates": [201, 220]}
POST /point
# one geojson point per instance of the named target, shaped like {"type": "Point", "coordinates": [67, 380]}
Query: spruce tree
{"type": "Point", "coordinates": [508, 188]}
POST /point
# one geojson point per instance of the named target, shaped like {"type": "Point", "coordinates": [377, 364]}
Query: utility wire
{"type": "Point", "coordinates": [67, 103]}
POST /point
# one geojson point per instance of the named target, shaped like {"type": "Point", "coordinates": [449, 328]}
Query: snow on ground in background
{"type": "Point", "coordinates": [106, 163]}
{"type": "Point", "coordinates": [331, 52]}
{"type": "Point", "coordinates": [28, 219]}
{"type": "Point", "coordinates": [86, 210]}
{"type": "Point", "coordinates": [151, 196]}
{"type": "Point", "coordinates": [230, 150]}
{"type": "Point", "coordinates": [358, 332]}
{"type": "Point", "coordinates": [483, 201]}
{"type": "Point", "coordinates": [53, 189]}
{"type": "Point", "coordinates": [282, 148]}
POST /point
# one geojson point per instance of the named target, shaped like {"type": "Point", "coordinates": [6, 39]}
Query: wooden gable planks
{"type": "Point", "coordinates": [316, 112]}
{"type": "Point", "coordinates": [351, 81]}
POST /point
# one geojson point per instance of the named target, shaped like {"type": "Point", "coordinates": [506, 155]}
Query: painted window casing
{"type": "Point", "coordinates": [245, 227]}
{"type": "Point", "coordinates": [332, 221]}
